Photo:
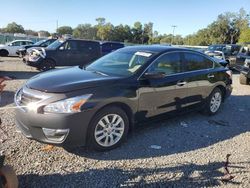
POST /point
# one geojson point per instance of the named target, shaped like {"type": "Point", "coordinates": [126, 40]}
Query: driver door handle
{"type": "Point", "coordinates": [181, 83]}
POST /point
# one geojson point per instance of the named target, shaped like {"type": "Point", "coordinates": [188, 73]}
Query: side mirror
{"type": "Point", "coordinates": [154, 75]}
{"type": "Point", "coordinates": [10, 44]}
{"type": "Point", "coordinates": [61, 48]}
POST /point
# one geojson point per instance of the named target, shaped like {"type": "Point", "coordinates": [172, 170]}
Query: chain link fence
{"type": "Point", "coordinates": [4, 38]}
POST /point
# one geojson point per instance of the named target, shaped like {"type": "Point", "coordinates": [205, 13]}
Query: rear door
{"type": "Point", "coordinates": [199, 76]}
{"type": "Point", "coordinates": [89, 51]}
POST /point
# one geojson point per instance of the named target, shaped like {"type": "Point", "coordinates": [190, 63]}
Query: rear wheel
{"type": "Point", "coordinates": [47, 64]}
{"type": "Point", "coordinates": [4, 53]}
{"type": "Point", "coordinates": [8, 177]}
{"type": "Point", "coordinates": [108, 129]}
{"type": "Point", "coordinates": [243, 79]}
{"type": "Point", "coordinates": [214, 102]}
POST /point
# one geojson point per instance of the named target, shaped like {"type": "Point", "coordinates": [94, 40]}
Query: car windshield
{"type": "Point", "coordinates": [39, 42]}
{"type": "Point", "coordinates": [120, 63]}
{"type": "Point", "coordinates": [55, 44]}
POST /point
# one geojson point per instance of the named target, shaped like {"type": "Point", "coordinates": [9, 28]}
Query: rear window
{"type": "Point", "coordinates": [195, 61]}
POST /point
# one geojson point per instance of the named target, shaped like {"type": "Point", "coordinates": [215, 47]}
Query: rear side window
{"type": "Point", "coordinates": [87, 47]}
{"type": "Point", "coordinates": [195, 61]}
{"type": "Point", "coordinates": [169, 64]}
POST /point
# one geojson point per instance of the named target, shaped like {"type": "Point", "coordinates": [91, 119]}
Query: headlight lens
{"type": "Point", "coordinates": [71, 105]}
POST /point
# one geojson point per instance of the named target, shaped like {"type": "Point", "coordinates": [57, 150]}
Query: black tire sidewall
{"type": "Point", "coordinates": [107, 110]}
{"type": "Point", "coordinates": [47, 62]}
{"type": "Point", "coordinates": [207, 107]}
{"type": "Point", "coordinates": [4, 53]}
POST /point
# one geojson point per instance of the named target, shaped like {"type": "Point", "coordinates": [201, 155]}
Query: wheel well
{"type": "Point", "coordinates": [50, 59]}
{"type": "Point", "coordinates": [223, 90]}
{"type": "Point", "coordinates": [126, 109]}
{"type": "Point", "coordinates": [4, 50]}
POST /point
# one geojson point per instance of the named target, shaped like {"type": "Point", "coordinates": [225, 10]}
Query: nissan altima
{"type": "Point", "coordinates": [98, 104]}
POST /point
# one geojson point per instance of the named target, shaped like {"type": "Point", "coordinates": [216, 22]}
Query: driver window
{"type": "Point", "coordinates": [169, 64]}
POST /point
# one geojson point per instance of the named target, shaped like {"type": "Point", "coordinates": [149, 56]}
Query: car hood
{"type": "Point", "coordinates": [2, 45]}
{"type": "Point", "coordinates": [68, 79]}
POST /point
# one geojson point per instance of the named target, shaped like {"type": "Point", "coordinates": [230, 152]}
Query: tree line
{"type": "Point", "coordinates": [229, 28]}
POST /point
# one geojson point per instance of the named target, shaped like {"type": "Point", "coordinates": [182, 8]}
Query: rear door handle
{"type": "Point", "coordinates": [210, 76]}
{"type": "Point", "coordinates": [181, 83]}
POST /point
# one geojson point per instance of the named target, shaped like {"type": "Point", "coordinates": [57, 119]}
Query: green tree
{"type": "Point", "coordinates": [64, 30]}
{"type": "Point", "coordinates": [137, 33]}
{"type": "Point", "coordinates": [104, 31]}
{"type": "Point", "coordinates": [14, 28]}
{"type": "Point", "coordinates": [31, 32]}
{"type": "Point", "coordinates": [245, 36]}
{"type": "Point", "coordinates": [85, 31]}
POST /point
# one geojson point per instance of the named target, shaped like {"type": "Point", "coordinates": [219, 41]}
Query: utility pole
{"type": "Point", "coordinates": [173, 26]}
{"type": "Point", "coordinates": [56, 25]}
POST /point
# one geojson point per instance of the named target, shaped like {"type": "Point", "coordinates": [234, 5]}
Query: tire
{"type": "Point", "coordinates": [214, 102]}
{"type": "Point", "coordinates": [4, 53]}
{"type": "Point", "coordinates": [47, 64]}
{"type": "Point", "coordinates": [243, 79]}
{"type": "Point", "coordinates": [9, 177]}
{"type": "Point", "coordinates": [110, 137]}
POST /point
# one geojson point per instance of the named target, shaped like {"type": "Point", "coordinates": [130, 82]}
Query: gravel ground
{"type": "Point", "coordinates": [183, 151]}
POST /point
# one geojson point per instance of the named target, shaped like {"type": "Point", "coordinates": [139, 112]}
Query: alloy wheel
{"type": "Point", "coordinates": [109, 130]}
{"type": "Point", "coordinates": [215, 102]}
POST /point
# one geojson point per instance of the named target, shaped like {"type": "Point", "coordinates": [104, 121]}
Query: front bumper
{"type": "Point", "coordinates": [31, 125]}
{"type": "Point", "coordinates": [34, 63]}
{"type": "Point", "coordinates": [59, 129]}
{"type": "Point", "coordinates": [229, 90]}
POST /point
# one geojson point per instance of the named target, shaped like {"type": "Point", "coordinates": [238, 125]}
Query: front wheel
{"type": "Point", "coordinates": [214, 102]}
{"type": "Point", "coordinates": [47, 64]}
{"type": "Point", "coordinates": [108, 129]}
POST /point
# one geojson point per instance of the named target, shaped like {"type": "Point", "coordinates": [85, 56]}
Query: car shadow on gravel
{"type": "Point", "coordinates": [7, 97]}
{"type": "Point", "coordinates": [177, 175]}
{"type": "Point", "coordinates": [18, 75]}
{"type": "Point", "coordinates": [182, 133]}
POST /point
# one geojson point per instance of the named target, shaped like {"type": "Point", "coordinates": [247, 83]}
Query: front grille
{"type": "Point", "coordinates": [23, 99]}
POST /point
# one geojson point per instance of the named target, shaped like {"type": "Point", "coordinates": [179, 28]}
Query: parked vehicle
{"type": "Point", "coordinates": [97, 105]}
{"type": "Point", "coordinates": [69, 52]}
{"type": "Point", "coordinates": [243, 54]}
{"type": "Point", "coordinates": [245, 72]}
{"type": "Point", "coordinates": [10, 49]}
{"type": "Point", "coordinates": [230, 51]}
{"type": "Point", "coordinates": [219, 57]}
{"type": "Point", "coordinates": [42, 43]}
{"type": "Point", "coordinates": [107, 46]}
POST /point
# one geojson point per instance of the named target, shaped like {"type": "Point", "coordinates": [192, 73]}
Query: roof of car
{"type": "Point", "coordinates": [155, 48]}
{"type": "Point", "coordinates": [21, 40]}
{"type": "Point", "coordinates": [113, 42]}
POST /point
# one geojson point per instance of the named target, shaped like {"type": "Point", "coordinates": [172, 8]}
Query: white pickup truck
{"type": "Point", "coordinates": [10, 49]}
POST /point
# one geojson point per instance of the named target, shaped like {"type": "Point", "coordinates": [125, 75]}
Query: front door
{"type": "Point", "coordinates": [68, 54]}
{"type": "Point", "coordinates": [161, 95]}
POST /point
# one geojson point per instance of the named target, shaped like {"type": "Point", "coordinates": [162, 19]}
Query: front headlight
{"type": "Point", "coordinates": [71, 105]}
